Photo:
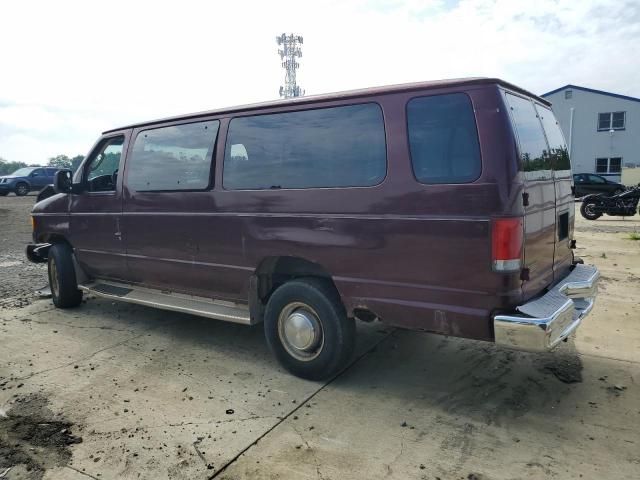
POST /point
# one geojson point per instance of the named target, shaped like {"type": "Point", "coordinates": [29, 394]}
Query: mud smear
{"type": "Point", "coordinates": [566, 367]}
{"type": "Point", "coordinates": [33, 437]}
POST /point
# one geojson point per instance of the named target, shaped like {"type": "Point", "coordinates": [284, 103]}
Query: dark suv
{"type": "Point", "coordinates": [440, 206]}
{"type": "Point", "coordinates": [588, 183]}
{"type": "Point", "coordinates": [27, 179]}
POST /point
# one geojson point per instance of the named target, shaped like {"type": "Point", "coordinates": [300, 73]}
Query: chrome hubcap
{"type": "Point", "coordinates": [54, 277]}
{"type": "Point", "coordinates": [300, 331]}
{"type": "Point", "coordinates": [589, 209]}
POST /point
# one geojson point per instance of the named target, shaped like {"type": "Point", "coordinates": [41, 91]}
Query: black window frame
{"type": "Point", "coordinates": [611, 127]}
{"type": "Point", "coordinates": [91, 157]}
{"type": "Point", "coordinates": [296, 110]}
{"type": "Point", "coordinates": [517, 134]}
{"type": "Point", "coordinates": [212, 161]}
{"type": "Point", "coordinates": [475, 121]}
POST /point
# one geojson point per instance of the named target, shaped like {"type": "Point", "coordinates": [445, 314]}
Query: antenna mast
{"type": "Point", "coordinates": [290, 50]}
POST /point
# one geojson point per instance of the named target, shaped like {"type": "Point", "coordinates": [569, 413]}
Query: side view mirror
{"type": "Point", "coordinates": [63, 181]}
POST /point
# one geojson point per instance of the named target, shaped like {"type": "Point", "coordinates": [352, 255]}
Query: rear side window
{"type": "Point", "coordinates": [328, 147]}
{"type": "Point", "coordinates": [533, 145]}
{"type": "Point", "coordinates": [555, 139]}
{"type": "Point", "coordinates": [443, 139]}
{"type": "Point", "coordinates": [173, 158]}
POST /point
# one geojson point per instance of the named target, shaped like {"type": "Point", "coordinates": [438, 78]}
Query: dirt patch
{"type": "Point", "coordinates": [566, 367]}
{"type": "Point", "coordinates": [19, 276]}
{"type": "Point", "coordinates": [33, 437]}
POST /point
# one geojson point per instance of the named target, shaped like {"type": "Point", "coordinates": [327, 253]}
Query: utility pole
{"type": "Point", "coordinates": [290, 50]}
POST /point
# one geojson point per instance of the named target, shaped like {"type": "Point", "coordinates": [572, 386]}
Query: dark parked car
{"type": "Point", "coordinates": [430, 206]}
{"type": "Point", "coordinates": [588, 183]}
{"type": "Point", "coordinates": [27, 179]}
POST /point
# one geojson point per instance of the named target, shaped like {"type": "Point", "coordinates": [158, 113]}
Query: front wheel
{"type": "Point", "coordinates": [588, 210]}
{"type": "Point", "coordinates": [21, 189]}
{"type": "Point", "coordinates": [307, 328]}
{"type": "Point", "coordinates": [62, 277]}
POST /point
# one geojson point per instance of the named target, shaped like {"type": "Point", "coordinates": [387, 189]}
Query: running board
{"type": "Point", "coordinates": [177, 302]}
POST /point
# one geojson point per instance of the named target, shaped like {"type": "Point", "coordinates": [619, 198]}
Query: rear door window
{"type": "Point", "coordinates": [172, 158]}
{"type": "Point", "coordinates": [557, 146]}
{"type": "Point", "coordinates": [327, 147]}
{"type": "Point", "coordinates": [534, 156]}
{"type": "Point", "coordinates": [443, 139]}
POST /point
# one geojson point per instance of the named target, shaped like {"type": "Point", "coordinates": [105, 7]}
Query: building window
{"type": "Point", "coordinates": [568, 94]}
{"type": "Point", "coordinates": [611, 121]}
{"type": "Point", "coordinates": [609, 165]}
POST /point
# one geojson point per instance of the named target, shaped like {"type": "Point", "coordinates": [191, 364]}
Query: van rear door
{"type": "Point", "coordinates": [565, 200]}
{"type": "Point", "coordinates": [539, 195]}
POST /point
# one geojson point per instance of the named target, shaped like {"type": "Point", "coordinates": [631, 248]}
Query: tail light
{"type": "Point", "coordinates": [507, 235]}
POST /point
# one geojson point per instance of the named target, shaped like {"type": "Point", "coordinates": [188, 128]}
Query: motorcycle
{"type": "Point", "coordinates": [624, 204]}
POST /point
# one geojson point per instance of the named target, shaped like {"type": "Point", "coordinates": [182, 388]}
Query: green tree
{"type": "Point", "coordinates": [7, 167]}
{"type": "Point", "coordinates": [76, 161]}
{"type": "Point", "coordinates": [60, 161]}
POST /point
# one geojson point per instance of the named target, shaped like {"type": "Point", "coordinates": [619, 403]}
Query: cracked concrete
{"type": "Point", "coordinates": [148, 391]}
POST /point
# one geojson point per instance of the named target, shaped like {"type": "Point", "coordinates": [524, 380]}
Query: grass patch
{"type": "Point", "coordinates": [634, 236]}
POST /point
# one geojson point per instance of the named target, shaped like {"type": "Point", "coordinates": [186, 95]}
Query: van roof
{"type": "Point", "coordinates": [363, 92]}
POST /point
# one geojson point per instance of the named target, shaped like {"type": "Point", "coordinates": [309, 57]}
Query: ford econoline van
{"type": "Point", "coordinates": [442, 206]}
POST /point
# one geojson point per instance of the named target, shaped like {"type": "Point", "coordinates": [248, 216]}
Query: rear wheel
{"type": "Point", "coordinates": [62, 277]}
{"type": "Point", "coordinates": [21, 189]}
{"type": "Point", "coordinates": [588, 210]}
{"type": "Point", "coordinates": [307, 328]}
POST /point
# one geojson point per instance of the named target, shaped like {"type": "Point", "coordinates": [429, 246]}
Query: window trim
{"type": "Point", "coordinates": [212, 161]}
{"type": "Point", "coordinates": [516, 134]}
{"type": "Point", "coordinates": [408, 142]}
{"type": "Point", "coordinates": [84, 167]}
{"type": "Point", "coordinates": [608, 172]}
{"type": "Point", "coordinates": [295, 110]}
{"type": "Point", "coordinates": [611, 127]}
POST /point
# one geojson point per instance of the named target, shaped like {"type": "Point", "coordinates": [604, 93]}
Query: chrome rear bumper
{"type": "Point", "coordinates": [539, 325]}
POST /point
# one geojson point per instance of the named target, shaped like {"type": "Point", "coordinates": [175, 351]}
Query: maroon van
{"type": "Point", "coordinates": [442, 206]}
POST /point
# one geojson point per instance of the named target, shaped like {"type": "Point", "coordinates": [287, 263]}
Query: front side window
{"type": "Point", "coordinates": [557, 146]}
{"type": "Point", "coordinates": [322, 148]}
{"type": "Point", "coordinates": [443, 139]}
{"type": "Point", "coordinates": [38, 172]}
{"type": "Point", "coordinates": [102, 168]}
{"type": "Point", "coordinates": [531, 140]}
{"type": "Point", "coordinates": [611, 121]}
{"type": "Point", "coordinates": [172, 158]}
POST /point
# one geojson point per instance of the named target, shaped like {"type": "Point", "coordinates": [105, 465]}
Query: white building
{"type": "Point", "coordinates": [602, 129]}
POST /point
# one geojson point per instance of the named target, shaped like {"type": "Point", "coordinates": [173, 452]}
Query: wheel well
{"type": "Point", "coordinates": [273, 272]}
{"type": "Point", "coordinates": [54, 238]}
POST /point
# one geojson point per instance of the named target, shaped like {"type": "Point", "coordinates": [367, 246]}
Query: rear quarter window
{"type": "Point", "coordinates": [443, 139]}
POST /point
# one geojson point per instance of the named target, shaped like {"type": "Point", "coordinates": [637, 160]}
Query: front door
{"type": "Point", "coordinates": [38, 179]}
{"type": "Point", "coordinates": [96, 213]}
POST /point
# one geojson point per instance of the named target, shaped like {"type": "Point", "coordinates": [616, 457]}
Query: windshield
{"type": "Point", "coordinates": [22, 172]}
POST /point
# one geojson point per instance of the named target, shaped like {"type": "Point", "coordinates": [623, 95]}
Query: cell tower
{"type": "Point", "coordinates": [288, 53]}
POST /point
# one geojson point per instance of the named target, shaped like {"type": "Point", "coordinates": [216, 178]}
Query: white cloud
{"type": "Point", "coordinates": [73, 69]}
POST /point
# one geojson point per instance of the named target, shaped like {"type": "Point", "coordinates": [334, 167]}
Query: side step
{"type": "Point", "coordinates": [177, 302]}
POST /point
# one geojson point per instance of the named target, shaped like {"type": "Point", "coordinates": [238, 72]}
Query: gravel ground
{"type": "Point", "coordinates": [119, 391]}
{"type": "Point", "coordinates": [19, 278]}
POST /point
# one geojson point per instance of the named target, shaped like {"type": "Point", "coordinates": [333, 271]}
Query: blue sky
{"type": "Point", "coordinates": [71, 69]}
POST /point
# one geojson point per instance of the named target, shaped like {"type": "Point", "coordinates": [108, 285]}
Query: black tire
{"type": "Point", "coordinates": [586, 210]}
{"type": "Point", "coordinates": [21, 189]}
{"type": "Point", "coordinates": [315, 301]}
{"type": "Point", "coordinates": [62, 277]}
